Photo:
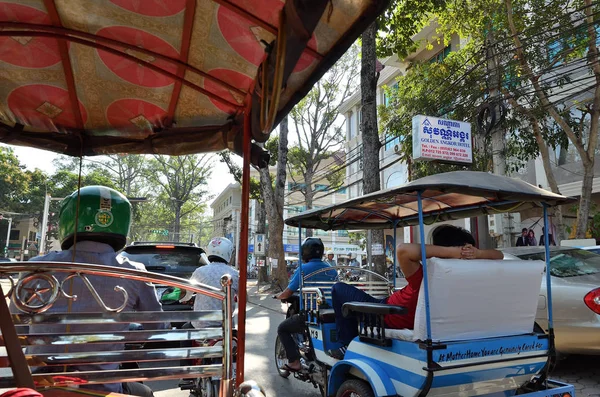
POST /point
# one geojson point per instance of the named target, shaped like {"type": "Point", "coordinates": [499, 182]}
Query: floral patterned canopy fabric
{"type": "Point", "coordinates": [87, 77]}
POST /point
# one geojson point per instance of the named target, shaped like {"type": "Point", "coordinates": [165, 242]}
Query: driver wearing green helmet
{"type": "Point", "coordinates": [103, 219]}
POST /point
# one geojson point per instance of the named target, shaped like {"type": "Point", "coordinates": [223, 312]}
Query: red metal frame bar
{"type": "Point", "coordinates": [243, 251]}
{"type": "Point", "coordinates": [69, 33]}
{"type": "Point", "coordinates": [263, 24]}
{"type": "Point", "coordinates": [66, 63]}
{"type": "Point", "coordinates": [186, 38]}
{"type": "Point", "coordinates": [17, 33]}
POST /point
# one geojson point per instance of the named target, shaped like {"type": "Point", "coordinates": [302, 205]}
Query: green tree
{"type": "Point", "coordinates": [182, 182]}
{"type": "Point", "coordinates": [14, 181]}
{"type": "Point", "coordinates": [314, 120]}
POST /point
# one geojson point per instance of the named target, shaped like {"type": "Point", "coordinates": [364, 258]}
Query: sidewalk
{"type": "Point", "coordinates": [261, 297]}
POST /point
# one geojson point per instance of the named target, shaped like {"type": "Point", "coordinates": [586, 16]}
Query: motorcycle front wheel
{"type": "Point", "coordinates": [280, 359]}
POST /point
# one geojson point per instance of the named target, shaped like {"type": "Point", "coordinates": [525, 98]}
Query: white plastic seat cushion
{"type": "Point", "coordinates": [472, 299]}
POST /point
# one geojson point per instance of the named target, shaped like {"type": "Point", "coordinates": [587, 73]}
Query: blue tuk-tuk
{"type": "Point", "coordinates": [474, 333]}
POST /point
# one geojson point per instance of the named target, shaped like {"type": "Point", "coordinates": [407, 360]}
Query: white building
{"type": "Point", "coordinates": [226, 213]}
{"type": "Point", "coordinates": [394, 172]}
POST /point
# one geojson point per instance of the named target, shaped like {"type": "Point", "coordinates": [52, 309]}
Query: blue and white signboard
{"type": "Point", "coordinates": [441, 140]}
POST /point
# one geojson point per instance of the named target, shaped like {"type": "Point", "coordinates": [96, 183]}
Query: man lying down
{"type": "Point", "coordinates": [449, 242]}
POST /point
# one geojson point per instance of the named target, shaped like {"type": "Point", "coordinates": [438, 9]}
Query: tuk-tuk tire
{"type": "Point", "coordinates": [278, 346]}
{"type": "Point", "coordinates": [355, 387]}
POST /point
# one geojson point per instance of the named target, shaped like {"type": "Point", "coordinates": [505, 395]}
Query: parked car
{"type": "Point", "coordinates": [575, 296]}
{"type": "Point", "coordinates": [594, 248]}
{"type": "Point", "coordinates": [173, 259]}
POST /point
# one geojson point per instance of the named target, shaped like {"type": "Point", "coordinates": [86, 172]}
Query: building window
{"type": "Point", "coordinates": [360, 120]}
{"type": "Point", "coordinates": [391, 141]}
{"type": "Point", "coordinates": [360, 188]}
{"type": "Point", "coordinates": [320, 188]}
{"type": "Point", "coordinates": [351, 128]}
{"type": "Point", "coordinates": [342, 190]}
{"type": "Point", "coordinates": [360, 158]}
{"type": "Point", "coordinates": [342, 233]}
{"type": "Point", "coordinates": [440, 56]}
{"type": "Point", "coordinates": [293, 186]}
{"type": "Point", "coordinates": [387, 97]}
{"type": "Point", "coordinates": [32, 236]}
{"type": "Point", "coordinates": [15, 235]}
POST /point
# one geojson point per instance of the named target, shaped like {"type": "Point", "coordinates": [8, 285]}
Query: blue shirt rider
{"type": "Point", "coordinates": [312, 251]}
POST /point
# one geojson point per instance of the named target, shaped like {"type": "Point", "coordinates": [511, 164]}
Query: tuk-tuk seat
{"type": "Point", "coordinates": [70, 347]}
{"type": "Point", "coordinates": [472, 299]}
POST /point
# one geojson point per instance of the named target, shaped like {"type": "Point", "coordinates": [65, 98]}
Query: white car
{"type": "Point", "coordinates": [575, 296]}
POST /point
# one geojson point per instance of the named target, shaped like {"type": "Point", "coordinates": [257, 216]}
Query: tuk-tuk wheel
{"type": "Point", "coordinates": [355, 388]}
{"type": "Point", "coordinates": [280, 358]}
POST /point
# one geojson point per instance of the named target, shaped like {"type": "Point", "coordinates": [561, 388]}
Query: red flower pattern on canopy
{"type": "Point", "coordinates": [134, 72]}
{"type": "Point", "coordinates": [130, 113]}
{"type": "Point", "coordinates": [44, 106]}
{"type": "Point", "coordinates": [28, 52]}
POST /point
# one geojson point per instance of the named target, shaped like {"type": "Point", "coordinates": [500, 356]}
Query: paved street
{"type": "Point", "coordinates": [264, 314]}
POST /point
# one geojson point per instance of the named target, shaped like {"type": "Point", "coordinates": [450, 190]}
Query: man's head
{"type": "Point", "coordinates": [312, 248]}
{"type": "Point", "coordinates": [524, 232]}
{"type": "Point", "coordinates": [330, 255]}
{"type": "Point", "coordinates": [451, 236]}
{"type": "Point", "coordinates": [102, 215]}
{"type": "Point", "coordinates": [219, 249]}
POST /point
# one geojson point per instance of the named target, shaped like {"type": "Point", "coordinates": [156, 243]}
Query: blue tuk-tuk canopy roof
{"type": "Point", "coordinates": [90, 77]}
{"type": "Point", "coordinates": [446, 196]}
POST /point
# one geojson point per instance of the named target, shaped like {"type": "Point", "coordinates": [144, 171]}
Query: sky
{"type": "Point", "coordinates": [42, 159]}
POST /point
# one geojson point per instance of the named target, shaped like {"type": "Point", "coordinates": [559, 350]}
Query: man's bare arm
{"type": "Point", "coordinates": [471, 252]}
{"type": "Point", "coordinates": [409, 255]}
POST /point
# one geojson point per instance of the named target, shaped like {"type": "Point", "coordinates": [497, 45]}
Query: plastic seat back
{"type": "Point", "coordinates": [472, 299]}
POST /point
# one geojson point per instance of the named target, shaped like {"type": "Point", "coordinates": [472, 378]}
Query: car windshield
{"type": "Point", "coordinates": [569, 263]}
{"type": "Point", "coordinates": [178, 261]}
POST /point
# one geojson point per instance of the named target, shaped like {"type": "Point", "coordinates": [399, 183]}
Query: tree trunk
{"type": "Point", "coordinates": [370, 133]}
{"type": "Point", "coordinates": [585, 201]}
{"type": "Point", "coordinates": [545, 155]}
{"type": "Point", "coordinates": [177, 225]}
{"type": "Point", "coordinates": [261, 227]}
{"type": "Point", "coordinates": [274, 205]}
{"type": "Point", "coordinates": [308, 198]}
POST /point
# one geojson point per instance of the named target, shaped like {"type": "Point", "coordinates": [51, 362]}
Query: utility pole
{"type": "Point", "coordinates": [44, 224]}
{"type": "Point", "coordinates": [7, 236]}
{"type": "Point", "coordinates": [495, 129]}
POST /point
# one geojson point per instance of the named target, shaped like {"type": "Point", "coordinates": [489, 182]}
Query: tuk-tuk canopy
{"type": "Point", "coordinates": [90, 77]}
{"type": "Point", "coordinates": [446, 196]}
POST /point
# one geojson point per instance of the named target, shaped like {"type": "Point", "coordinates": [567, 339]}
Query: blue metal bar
{"type": "Point", "coordinates": [548, 276]}
{"type": "Point", "coordinates": [394, 253]}
{"type": "Point", "coordinates": [300, 264]}
{"type": "Point", "coordinates": [424, 263]}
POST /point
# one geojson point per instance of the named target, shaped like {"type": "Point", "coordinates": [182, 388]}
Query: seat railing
{"type": "Point", "coordinates": [58, 346]}
{"type": "Point", "coordinates": [318, 292]}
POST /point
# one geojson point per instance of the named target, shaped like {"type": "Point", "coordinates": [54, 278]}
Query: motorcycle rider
{"type": "Point", "coordinates": [330, 258]}
{"type": "Point", "coordinates": [219, 252]}
{"type": "Point", "coordinates": [92, 232]}
{"type": "Point", "coordinates": [311, 253]}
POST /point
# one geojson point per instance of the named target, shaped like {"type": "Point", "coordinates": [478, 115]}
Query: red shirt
{"type": "Point", "coordinates": [406, 297]}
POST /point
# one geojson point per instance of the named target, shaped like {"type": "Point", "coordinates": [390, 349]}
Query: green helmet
{"type": "Point", "coordinates": [104, 216]}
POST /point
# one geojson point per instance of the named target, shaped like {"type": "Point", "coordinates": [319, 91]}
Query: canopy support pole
{"type": "Point", "coordinates": [243, 252]}
{"type": "Point", "coordinates": [394, 253]}
{"type": "Point", "coordinates": [300, 264]}
{"type": "Point", "coordinates": [551, 347]}
{"type": "Point", "coordinates": [424, 263]}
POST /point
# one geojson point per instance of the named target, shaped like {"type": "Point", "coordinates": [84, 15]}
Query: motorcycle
{"type": "Point", "coordinates": [312, 370]}
{"type": "Point", "coordinates": [207, 387]}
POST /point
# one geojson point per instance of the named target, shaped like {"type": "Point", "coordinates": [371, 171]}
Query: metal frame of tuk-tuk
{"type": "Point", "coordinates": [498, 206]}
